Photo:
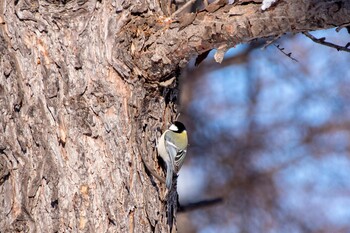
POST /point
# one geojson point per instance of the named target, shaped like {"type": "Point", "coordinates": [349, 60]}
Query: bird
{"type": "Point", "coordinates": [172, 148]}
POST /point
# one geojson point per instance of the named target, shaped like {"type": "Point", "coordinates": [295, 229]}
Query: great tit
{"type": "Point", "coordinates": [172, 148]}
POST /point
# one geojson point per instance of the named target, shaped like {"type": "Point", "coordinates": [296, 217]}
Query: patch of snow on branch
{"type": "Point", "coordinates": [266, 4]}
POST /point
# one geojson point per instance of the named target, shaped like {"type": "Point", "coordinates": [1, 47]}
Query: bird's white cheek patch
{"type": "Point", "coordinates": [173, 128]}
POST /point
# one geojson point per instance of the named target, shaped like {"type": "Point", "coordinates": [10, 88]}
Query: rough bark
{"type": "Point", "coordinates": [81, 103]}
{"type": "Point", "coordinates": [72, 130]}
{"type": "Point", "coordinates": [164, 44]}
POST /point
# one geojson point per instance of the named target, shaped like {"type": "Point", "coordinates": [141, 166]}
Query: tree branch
{"type": "Point", "coordinates": [163, 47]}
{"type": "Point", "coordinates": [199, 204]}
{"type": "Point", "coordinates": [323, 42]}
{"type": "Point", "coordinates": [287, 54]}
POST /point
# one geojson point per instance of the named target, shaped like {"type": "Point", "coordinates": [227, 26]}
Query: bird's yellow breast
{"type": "Point", "coordinates": [180, 139]}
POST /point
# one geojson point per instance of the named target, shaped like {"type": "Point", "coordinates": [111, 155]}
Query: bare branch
{"type": "Point", "coordinates": [323, 41]}
{"type": "Point", "coordinates": [269, 42]}
{"type": "Point", "coordinates": [287, 54]}
{"type": "Point", "coordinates": [199, 204]}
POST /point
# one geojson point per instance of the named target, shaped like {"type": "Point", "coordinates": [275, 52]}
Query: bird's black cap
{"type": "Point", "coordinates": [177, 126]}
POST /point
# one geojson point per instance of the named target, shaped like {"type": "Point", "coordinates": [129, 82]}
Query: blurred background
{"type": "Point", "coordinates": [269, 135]}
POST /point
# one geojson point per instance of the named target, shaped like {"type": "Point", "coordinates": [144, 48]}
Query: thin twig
{"type": "Point", "coordinates": [323, 42]}
{"type": "Point", "coordinates": [342, 26]}
{"type": "Point", "coordinates": [287, 54]}
{"type": "Point", "coordinates": [269, 42]}
{"type": "Point", "coordinates": [205, 3]}
{"type": "Point", "coordinates": [199, 204]}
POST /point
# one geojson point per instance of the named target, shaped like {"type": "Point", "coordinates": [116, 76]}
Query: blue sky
{"type": "Point", "coordinates": [308, 94]}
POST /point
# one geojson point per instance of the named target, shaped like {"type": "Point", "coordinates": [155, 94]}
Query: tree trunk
{"type": "Point", "coordinates": [86, 87]}
{"type": "Point", "coordinates": [72, 130]}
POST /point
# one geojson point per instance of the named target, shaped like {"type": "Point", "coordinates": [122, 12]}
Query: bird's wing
{"type": "Point", "coordinates": [176, 155]}
{"type": "Point", "coordinates": [179, 159]}
{"type": "Point", "coordinates": [172, 151]}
